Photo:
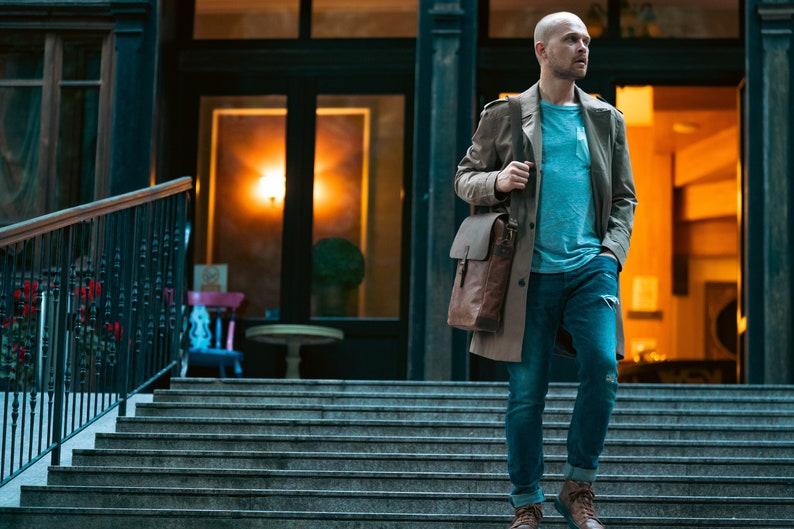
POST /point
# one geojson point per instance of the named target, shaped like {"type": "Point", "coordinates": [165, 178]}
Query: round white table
{"type": "Point", "coordinates": [293, 336]}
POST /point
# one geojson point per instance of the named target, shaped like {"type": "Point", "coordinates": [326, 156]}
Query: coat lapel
{"type": "Point", "coordinates": [530, 114]}
{"type": "Point", "coordinates": [597, 119]}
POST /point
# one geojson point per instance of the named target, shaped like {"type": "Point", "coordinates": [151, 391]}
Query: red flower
{"type": "Point", "coordinates": [93, 290]}
{"type": "Point", "coordinates": [28, 289]}
{"type": "Point", "coordinates": [115, 329]}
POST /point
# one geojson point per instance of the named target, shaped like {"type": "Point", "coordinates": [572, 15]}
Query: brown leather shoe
{"type": "Point", "coordinates": [527, 517]}
{"type": "Point", "coordinates": [575, 503]}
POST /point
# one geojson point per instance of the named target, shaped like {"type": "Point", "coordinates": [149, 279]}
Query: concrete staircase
{"type": "Point", "coordinates": [405, 455]}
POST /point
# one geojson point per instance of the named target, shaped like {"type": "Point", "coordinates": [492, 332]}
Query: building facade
{"type": "Point", "coordinates": [319, 132]}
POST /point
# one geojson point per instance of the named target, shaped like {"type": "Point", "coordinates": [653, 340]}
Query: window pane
{"type": "Point", "coordinates": [20, 126]}
{"type": "Point", "coordinates": [681, 19]}
{"type": "Point", "coordinates": [82, 59]}
{"type": "Point", "coordinates": [77, 144]}
{"type": "Point", "coordinates": [663, 18]}
{"type": "Point", "coordinates": [358, 196]}
{"type": "Point", "coordinates": [246, 19]}
{"type": "Point", "coordinates": [21, 55]}
{"type": "Point", "coordinates": [364, 18]}
{"type": "Point", "coordinates": [517, 18]}
{"type": "Point", "coordinates": [240, 194]}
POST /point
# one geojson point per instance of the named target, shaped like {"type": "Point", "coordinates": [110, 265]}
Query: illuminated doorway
{"type": "Point", "coordinates": [356, 206]}
{"type": "Point", "coordinates": [302, 199]}
{"type": "Point", "coordinates": [680, 284]}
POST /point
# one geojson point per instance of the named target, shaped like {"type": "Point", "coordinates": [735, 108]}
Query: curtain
{"type": "Point", "coordinates": [20, 131]}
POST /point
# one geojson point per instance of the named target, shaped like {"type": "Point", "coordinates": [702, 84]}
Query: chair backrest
{"type": "Point", "coordinates": [204, 302]}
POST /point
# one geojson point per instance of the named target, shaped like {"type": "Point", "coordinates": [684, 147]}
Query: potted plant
{"type": "Point", "coordinates": [337, 270]}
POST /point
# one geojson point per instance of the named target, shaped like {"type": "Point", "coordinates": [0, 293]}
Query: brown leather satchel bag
{"type": "Point", "coordinates": [484, 247]}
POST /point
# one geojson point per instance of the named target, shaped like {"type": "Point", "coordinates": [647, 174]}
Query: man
{"type": "Point", "coordinates": [574, 201]}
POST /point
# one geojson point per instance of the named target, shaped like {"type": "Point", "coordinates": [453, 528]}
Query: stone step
{"type": "Point", "coordinates": [301, 454]}
{"type": "Point", "coordinates": [287, 396]}
{"type": "Point", "coordinates": [442, 445]}
{"type": "Point", "coordinates": [428, 462]}
{"type": "Point", "coordinates": [392, 502]}
{"type": "Point", "coordinates": [329, 427]}
{"type": "Point", "coordinates": [680, 391]}
{"type": "Point", "coordinates": [449, 482]}
{"type": "Point", "coordinates": [451, 414]}
{"type": "Point", "coordinates": [69, 518]}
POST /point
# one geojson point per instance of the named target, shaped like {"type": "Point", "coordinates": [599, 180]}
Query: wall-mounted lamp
{"type": "Point", "coordinates": [272, 186]}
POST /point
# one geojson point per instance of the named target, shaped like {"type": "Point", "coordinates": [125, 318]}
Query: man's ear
{"type": "Point", "coordinates": [540, 47]}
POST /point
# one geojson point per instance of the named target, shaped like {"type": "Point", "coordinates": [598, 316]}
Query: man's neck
{"type": "Point", "coordinates": [557, 91]}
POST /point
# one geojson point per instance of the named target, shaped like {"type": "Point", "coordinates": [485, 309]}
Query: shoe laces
{"type": "Point", "coordinates": [526, 515]}
{"type": "Point", "coordinates": [583, 498]}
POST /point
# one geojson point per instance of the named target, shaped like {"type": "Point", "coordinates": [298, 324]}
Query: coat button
{"type": "Point", "coordinates": [531, 225]}
{"type": "Point", "coordinates": [522, 282]}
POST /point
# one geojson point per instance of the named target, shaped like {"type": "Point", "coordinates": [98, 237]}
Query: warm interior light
{"type": "Point", "coordinates": [683, 127]}
{"type": "Point", "coordinates": [636, 103]}
{"type": "Point", "coordinates": [272, 186]}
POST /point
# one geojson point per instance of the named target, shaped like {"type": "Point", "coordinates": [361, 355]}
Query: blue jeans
{"type": "Point", "coordinates": [584, 301]}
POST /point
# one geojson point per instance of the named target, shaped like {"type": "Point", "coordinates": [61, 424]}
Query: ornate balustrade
{"type": "Point", "coordinates": [90, 312]}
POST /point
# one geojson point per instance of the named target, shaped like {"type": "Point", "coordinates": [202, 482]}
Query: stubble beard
{"type": "Point", "coordinates": [570, 74]}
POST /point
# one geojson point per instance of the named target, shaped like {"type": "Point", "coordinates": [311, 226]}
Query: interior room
{"type": "Point", "coordinates": [680, 284]}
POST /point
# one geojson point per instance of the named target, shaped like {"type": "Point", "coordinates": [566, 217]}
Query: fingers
{"type": "Point", "coordinates": [514, 176]}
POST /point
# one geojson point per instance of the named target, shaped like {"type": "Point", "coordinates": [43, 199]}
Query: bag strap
{"type": "Point", "coordinates": [515, 127]}
{"type": "Point", "coordinates": [530, 192]}
{"type": "Point", "coordinates": [514, 105]}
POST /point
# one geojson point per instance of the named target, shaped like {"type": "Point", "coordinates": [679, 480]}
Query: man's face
{"type": "Point", "coordinates": [566, 53]}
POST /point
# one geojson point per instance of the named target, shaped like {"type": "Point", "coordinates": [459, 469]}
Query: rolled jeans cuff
{"type": "Point", "coordinates": [519, 500]}
{"type": "Point", "coordinates": [579, 474]}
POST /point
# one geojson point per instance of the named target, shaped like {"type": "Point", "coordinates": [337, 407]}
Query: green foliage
{"type": "Point", "coordinates": [337, 261]}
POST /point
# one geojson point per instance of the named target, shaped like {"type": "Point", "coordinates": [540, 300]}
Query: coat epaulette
{"type": "Point", "coordinates": [601, 98]}
{"type": "Point", "coordinates": [494, 102]}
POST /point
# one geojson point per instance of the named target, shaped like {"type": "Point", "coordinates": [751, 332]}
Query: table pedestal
{"type": "Point", "coordinates": [293, 336]}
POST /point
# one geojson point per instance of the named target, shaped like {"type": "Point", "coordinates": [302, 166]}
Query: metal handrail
{"type": "Point", "coordinates": [90, 300]}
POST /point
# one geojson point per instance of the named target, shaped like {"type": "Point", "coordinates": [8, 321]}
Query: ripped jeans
{"type": "Point", "coordinates": [584, 301]}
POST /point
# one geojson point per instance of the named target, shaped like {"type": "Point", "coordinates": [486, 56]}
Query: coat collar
{"type": "Point", "coordinates": [530, 101]}
{"type": "Point", "coordinates": [596, 115]}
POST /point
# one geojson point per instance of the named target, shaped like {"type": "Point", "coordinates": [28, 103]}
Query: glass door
{"type": "Point", "coordinates": [357, 214]}
{"type": "Point", "coordinates": [300, 206]}
{"type": "Point", "coordinates": [239, 220]}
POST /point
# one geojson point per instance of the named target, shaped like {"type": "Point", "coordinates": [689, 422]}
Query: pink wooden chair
{"type": "Point", "coordinates": [209, 344]}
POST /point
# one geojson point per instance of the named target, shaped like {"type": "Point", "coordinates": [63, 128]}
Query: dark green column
{"type": "Point", "coordinates": [133, 94]}
{"type": "Point", "coordinates": [769, 292]}
{"type": "Point", "coordinates": [445, 65]}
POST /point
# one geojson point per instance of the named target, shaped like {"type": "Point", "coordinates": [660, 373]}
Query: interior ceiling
{"type": "Point", "coordinates": [705, 110]}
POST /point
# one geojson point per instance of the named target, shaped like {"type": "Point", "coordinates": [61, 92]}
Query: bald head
{"type": "Point", "coordinates": [550, 24]}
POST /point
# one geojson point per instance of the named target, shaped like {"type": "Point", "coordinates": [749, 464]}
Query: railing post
{"type": "Point", "coordinates": [60, 349]}
{"type": "Point", "coordinates": [180, 242]}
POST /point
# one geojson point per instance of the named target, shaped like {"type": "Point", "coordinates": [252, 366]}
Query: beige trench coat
{"type": "Point", "coordinates": [613, 190]}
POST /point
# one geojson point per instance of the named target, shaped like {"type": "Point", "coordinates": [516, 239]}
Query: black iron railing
{"type": "Point", "coordinates": [90, 305]}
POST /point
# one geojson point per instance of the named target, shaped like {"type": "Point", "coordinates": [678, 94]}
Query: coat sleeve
{"type": "Point", "coordinates": [475, 180]}
{"type": "Point", "coordinates": [624, 197]}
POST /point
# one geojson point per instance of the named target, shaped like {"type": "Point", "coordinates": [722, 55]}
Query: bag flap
{"type": "Point", "coordinates": [474, 236]}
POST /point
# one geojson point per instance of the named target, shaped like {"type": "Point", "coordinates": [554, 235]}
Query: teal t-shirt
{"type": "Point", "coordinates": [565, 237]}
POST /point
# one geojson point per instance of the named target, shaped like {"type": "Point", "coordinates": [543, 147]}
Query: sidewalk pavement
{"type": "Point", "coordinates": [37, 474]}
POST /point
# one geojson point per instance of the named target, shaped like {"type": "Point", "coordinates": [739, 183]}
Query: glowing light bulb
{"type": "Point", "coordinates": [272, 186]}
